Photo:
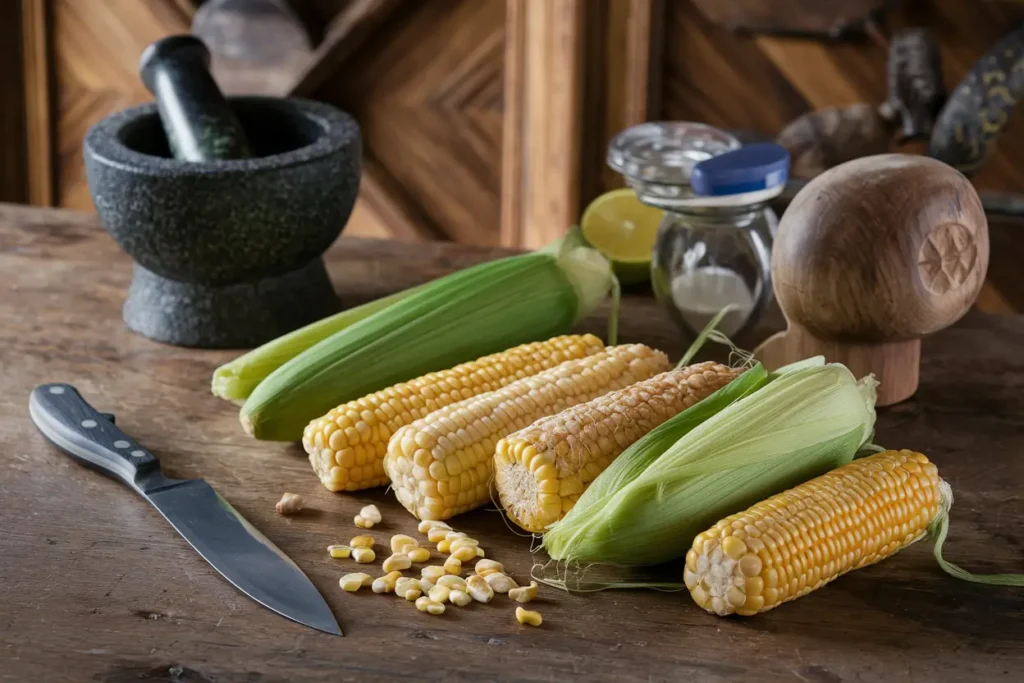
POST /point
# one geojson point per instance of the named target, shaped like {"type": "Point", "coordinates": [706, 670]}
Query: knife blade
{"type": "Point", "coordinates": [236, 549]}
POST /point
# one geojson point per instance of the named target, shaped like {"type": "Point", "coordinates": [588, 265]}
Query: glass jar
{"type": "Point", "coordinates": [714, 245]}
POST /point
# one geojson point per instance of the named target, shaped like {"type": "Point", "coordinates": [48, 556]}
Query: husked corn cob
{"type": "Point", "coordinates": [441, 465]}
{"type": "Point", "coordinates": [793, 543]}
{"type": "Point", "coordinates": [541, 471]}
{"type": "Point", "coordinates": [347, 445]}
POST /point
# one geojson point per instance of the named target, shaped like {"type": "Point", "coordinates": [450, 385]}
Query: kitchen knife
{"type": "Point", "coordinates": [223, 537]}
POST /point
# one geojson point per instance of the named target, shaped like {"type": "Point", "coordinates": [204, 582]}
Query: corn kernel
{"type": "Point", "coordinates": [485, 567]}
{"type": "Point", "coordinates": [480, 552]}
{"type": "Point", "coordinates": [404, 585]}
{"type": "Point", "coordinates": [363, 555]}
{"type": "Point", "coordinates": [418, 554]}
{"type": "Point", "coordinates": [362, 542]}
{"type": "Point", "coordinates": [432, 572]}
{"type": "Point", "coordinates": [371, 514]}
{"type": "Point", "coordinates": [353, 582]}
{"type": "Point", "coordinates": [362, 522]}
{"type": "Point", "coordinates": [459, 598]}
{"type": "Point", "coordinates": [427, 524]}
{"type": "Point", "coordinates": [500, 583]}
{"type": "Point", "coordinates": [464, 554]}
{"type": "Point", "coordinates": [524, 616]}
{"type": "Point", "coordinates": [399, 542]}
{"type": "Point", "coordinates": [386, 583]}
{"type": "Point", "coordinates": [437, 533]}
{"type": "Point", "coordinates": [453, 566]}
{"type": "Point", "coordinates": [452, 582]}
{"type": "Point", "coordinates": [463, 542]}
{"type": "Point", "coordinates": [525, 593]}
{"type": "Point", "coordinates": [439, 593]}
{"type": "Point", "coordinates": [479, 589]}
{"type": "Point", "coordinates": [425, 604]}
{"type": "Point", "coordinates": [339, 551]}
{"type": "Point", "coordinates": [396, 562]}
{"type": "Point", "coordinates": [290, 504]}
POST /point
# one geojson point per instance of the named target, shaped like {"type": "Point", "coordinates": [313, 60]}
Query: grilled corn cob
{"type": "Point", "coordinates": [797, 541]}
{"type": "Point", "coordinates": [465, 315]}
{"type": "Point", "coordinates": [541, 471]}
{"type": "Point", "coordinates": [441, 465]}
{"type": "Point", "coordinates": [347, 445]}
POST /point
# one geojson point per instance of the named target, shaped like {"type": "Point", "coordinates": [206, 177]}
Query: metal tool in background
{"type": "Point", "coordinates": [223, 537]}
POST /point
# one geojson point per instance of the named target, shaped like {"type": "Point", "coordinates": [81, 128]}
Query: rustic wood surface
{"type": "Point", "coordinates": [95, 586]}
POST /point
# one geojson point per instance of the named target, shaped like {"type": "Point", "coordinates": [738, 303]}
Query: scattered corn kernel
{"type": "Point", "coordinates": [425, 604]}
{"type": "Point", "coordinates": [524, 593]}
{"type": "Point", "coordinates": [463, 542]}
{"type": "Point", "coordinates": [478, 589]}
{"type": "Point", "coordinates": [363, 555]}
{"type": "Point", "coordinates": [432, 572]}
{"type": "Point", "coordinates": [464, 554]}
{"type": "Point", "coordinates": [480, 552]}
{"type": "Point", "coordinates": [290, 504]}
{"type": "Point", "coordinates": [418, 554]}
{"type": "Point", "coordinates": [397, 562]}
{"type": "Point", "coordinates": [459, 598]}
{"type": "Point", "coordinates": [362, 522]}
{"type": "Point", "coordinates": [452, 582]}
{"type": "Point", "coordinates": [400, 541]}
{"type": "Point", "coordinates": [426, 585]}
{"type": "Point", "coordinates": [353, 582]}
{"type": "Point", "coordinates": [437, 533]}
{"type": "Point", "coordinates": [453, 565]}
{"type": "Point", "coordinates": [386, 583]}
{"type": "Point", "coordinates": [371, 514]}
{"type": "Point", "coordinates": [404, 584]}
{"type": "Point", "coordinates": [525, 616]}
{"type": "Point", "coordinates": [427, 524]}
{"type": "Point", "coordinates": [362, 542]}
{"type": "Point", "coordinates": [485, 567]}
{"type": "Point", "coordinates": [439, 593]}
{"type": "Point", "coordinates": [339, 551]}
{"type": "Point", "coordinates": [500, 583]}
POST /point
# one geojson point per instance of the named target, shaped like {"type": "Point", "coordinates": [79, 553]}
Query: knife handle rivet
{"type": "Point", "coordinates": [138, 453]}
{"type": "Point", "coordinates": [121, 443]}
{"type": "Point", "coordinates": [88, 424]}
{"type": "Point", "coordinates": [56, 390]}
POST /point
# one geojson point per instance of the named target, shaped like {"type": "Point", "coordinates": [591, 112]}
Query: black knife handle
{"type": "Point", "coordinates": [89, 436]}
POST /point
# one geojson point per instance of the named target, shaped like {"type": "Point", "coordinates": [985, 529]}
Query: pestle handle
{"type": "Point", "coordinates": [198, 120]}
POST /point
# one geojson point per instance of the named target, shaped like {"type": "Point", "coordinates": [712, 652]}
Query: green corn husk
{"type": "Point", "coordinates": [234, 381]}
{"type": "Point", "coordinates": [472, 313]}
{"type": "Point", "coordinates": [804, 422]}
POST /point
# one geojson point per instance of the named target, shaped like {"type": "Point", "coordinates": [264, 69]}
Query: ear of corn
{"type": "Point", "coordinates": [234, 381]}
{"type": "Point", "coordinates": [347, 445]}
{"type": "Point", "coordinates": [797, 541]}
{"type": "Point", "coordinates": [563, 453]}
{"type": "Point", "coordinates": [441, 465]}
{"type": "Point", "coordinates": [466, 315]}
{"type": "Point", "coordinates": [802, 424]}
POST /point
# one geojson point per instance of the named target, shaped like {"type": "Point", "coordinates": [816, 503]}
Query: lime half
{"type": "Point", "coordinates": [624, 229]}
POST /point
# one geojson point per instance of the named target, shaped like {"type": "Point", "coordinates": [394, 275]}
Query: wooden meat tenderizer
{"type": "Point", "coordinates": [871, 256]}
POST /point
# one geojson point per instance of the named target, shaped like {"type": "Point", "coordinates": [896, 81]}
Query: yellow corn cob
{"type": "Point", "coordinates": [793, 543]}
{"type": "Point", "coordinates": [441, 465]}
{"type": "Point", "coordinates": [346, 446]}
{"type": "Point", "coordinates": [541, 471]}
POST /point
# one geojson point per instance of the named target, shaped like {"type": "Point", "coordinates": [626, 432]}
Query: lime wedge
{"type": "Point", "coordinates": [624, 229]}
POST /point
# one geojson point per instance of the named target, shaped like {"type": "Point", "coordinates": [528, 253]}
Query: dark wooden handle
{"type": "Point", "coordinates": [198, 120]}
{"type": "Point", "coordinates": [88, 436]}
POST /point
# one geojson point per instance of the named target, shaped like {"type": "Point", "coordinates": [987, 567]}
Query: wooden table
{"type": "Point", "coordinates": [95, 586]}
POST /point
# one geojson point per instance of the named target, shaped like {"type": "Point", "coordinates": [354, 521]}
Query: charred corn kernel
{"type": "Point", "coordinates": [439, 593]}
{"type": "Point", "coordinates": [353, 582]}
{"type": "Point", "coordinates": [793, 543]}
{"type": "Point", "coordinates": [363, 555]}
{"type": "Point", "coordinates": [404, 584]}
{"type": "Point", "coordinates": [432, 572]}
{"type": "Point", "coordinates": [425, 604]}
{"type": "Point", "coordinates": [426, 525]}
{"type": "Point", "coordinates": [464, 554]}
{"type": "Point", "coordinates": [480, 552]}
{"type": "Point", "coordinates": [400, 541]}
{"type": "Point", "coordinates": [441, 465]}
{"type": "Point", "coordinates": [500, 583]}
{"type": "Point", "coordinates": [371, 514]}
{"type": "Point", "coordinates": [525, 616]}
{"type": "Point", "coordinates": [464, 542]}
{"type": "Point", "coordinates": [339, 551]}
{"type": "Point", "coordinates": [524, 593]}
{"type": "Point", "coordinates": [418, 554]}
{"type": "Point", "coordinates": [485, 567]}
{"type": "Point", "coordinates": [459, 598]}
{"type": "Point", "coordinates": [396, 562]}
{"type": "Point", "coordinates": [290, 504]}
{"type": "Point", "coordinates": [362, 542]}
{"type": "Point", "coordinates": [386, 583]}
{"type": "Point", "coordinates": [541, 471]}
{"type": "Point", "coordinates": [346, 446]}
{"type": "Point", "coordinates": [479, 589]}
{"type": "Point", "coordinates": [453, 566]}
{"type": "Point", "coordinates": [362, 522]}
{"type": "Point", "coordinates": [452, 582]}
{"type": "Point", "coordinates": [436, 534]}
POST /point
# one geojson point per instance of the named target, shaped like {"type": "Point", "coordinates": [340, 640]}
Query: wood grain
{"type": "Point", "coordinates": [36, 49]}
{"type": "Point", "coordinates": [541, 152]}
{"type": "Point", "coordinates": [13, 155]}
{"type": "Point", "coordinates": [94, 585]}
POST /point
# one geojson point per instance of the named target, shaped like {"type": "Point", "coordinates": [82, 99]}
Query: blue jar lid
{"type": "Point", "coordinates": [750, 168]}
